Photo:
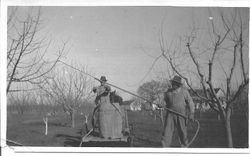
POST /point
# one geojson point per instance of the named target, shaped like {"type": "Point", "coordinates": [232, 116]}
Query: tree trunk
{"type": "Point", "coordinates": [228, 128]}
{"type": "Point", "coordinates": [21, 111]}
{"type": "Point", "coordinates": [162, 116]}
{"type": "Point", "coordinates": [219, 116]}
{"type": "Point", "coordinates": [45, 119]}
{"type": "Point", "coordinates": [86, 123]}
{"type": "Point", "coordinates": [46, 127]}
{"type": "Point", "coordinates": [72, 117]}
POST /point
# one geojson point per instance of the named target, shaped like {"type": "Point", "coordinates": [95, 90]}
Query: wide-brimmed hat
{"type": "Point", "coordinates": [176, 79]}
{"type": "Point", "coordinates": [103, 79]}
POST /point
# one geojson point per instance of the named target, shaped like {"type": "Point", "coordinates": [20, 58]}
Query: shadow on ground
{"type": "Point", "coordinates": [75, 141]}
{"type": "Point", "coordinates": [69, 140]}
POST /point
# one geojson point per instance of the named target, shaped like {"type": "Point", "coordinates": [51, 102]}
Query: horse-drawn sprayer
{"type": "Point", "coordinates": [112, 128]}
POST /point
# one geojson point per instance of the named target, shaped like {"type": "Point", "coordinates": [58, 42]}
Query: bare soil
{"type": "Point", "coordinates": [28, 129]}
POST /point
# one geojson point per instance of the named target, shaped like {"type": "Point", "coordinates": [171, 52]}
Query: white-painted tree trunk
{"type": "Point", "coordinates": [86, 118]}
{"type": "Point", "coordinates": [72, 117]}
{"type": "Point", "coordinates": [86, 123]}
{"type": "Point", "coordinates": [45, 120]}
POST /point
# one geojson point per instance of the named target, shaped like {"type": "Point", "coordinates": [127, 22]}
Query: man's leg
{"type": "Point", "coordinates": [182, 131]}
{"type": "Point", "coordinates": [168, 130]}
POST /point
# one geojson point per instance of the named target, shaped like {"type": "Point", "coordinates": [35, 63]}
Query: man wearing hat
{"type": "Point", "coordinates": [178, 99]}
{"type": "Point", "coordinates": [108, 120]}
{"type": "Point", "coordinates": [102, 89]}
{"type": "Point", "coordinates": [101, 97]}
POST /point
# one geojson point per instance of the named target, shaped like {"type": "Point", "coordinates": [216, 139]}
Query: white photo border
{"type": "Point", "coordinates": [3, 62]}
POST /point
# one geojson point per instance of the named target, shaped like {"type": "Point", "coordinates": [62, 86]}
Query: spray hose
{"type": "Point", "coordinates": [169, 110]}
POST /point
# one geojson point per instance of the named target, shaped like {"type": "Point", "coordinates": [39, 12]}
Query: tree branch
{"type": "Point", "coordinates": [229, 78]}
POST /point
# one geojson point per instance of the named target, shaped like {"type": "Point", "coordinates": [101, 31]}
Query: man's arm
{"type": "Point", "coordinates": [107, 88]}
{"type": "Point", "coordinates": [94, 89]}
{"type": "Point", "coordinates": [160, 100]}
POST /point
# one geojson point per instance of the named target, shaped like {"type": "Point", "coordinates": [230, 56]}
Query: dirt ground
{"type": "Point", "coordinates": [28, 129]}
{"type": "Point", "coordinates": [211, 135]}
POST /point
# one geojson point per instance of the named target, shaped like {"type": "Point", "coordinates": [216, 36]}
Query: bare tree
{"type": "Point", "coordinates": [28, 48]}
{"type": "Point", "coordinates": [46, 109]}
{"type": "Point", "coordinates": [226, 35]}
{"type": "Point", "coordinates": [45, 114]}
{"type": "Point", "coordinates": [69, 89]}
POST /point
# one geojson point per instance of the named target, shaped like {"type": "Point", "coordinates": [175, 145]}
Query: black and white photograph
{"type": "Point", "coordinates": [129, 77]}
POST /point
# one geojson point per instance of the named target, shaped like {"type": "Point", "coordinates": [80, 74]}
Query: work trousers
{"type": "Point", "coordinates": [172, 121]}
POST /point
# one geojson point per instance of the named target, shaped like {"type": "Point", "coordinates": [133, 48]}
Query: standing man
{"type": "Point", "coordinates": [177, 99]}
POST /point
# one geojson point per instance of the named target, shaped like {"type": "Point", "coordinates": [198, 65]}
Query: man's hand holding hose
{"type": "Point", "coordinates": [191, 117]}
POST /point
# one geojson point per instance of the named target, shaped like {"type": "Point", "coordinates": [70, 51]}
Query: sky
{"type": "Point", "coordinates": [120, 43]}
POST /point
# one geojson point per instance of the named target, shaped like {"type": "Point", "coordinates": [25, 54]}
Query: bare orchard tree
{"type": "Point", "coordinates": [229, 38]}
{"type": "Point", "coordinates": [45, 108]}
{"type": "Point", "coordinates": [69, 88]}
{"type": "Point", "coordinates": [85, 110]}
{"type": "Point", "coordinates": [27, 48]}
